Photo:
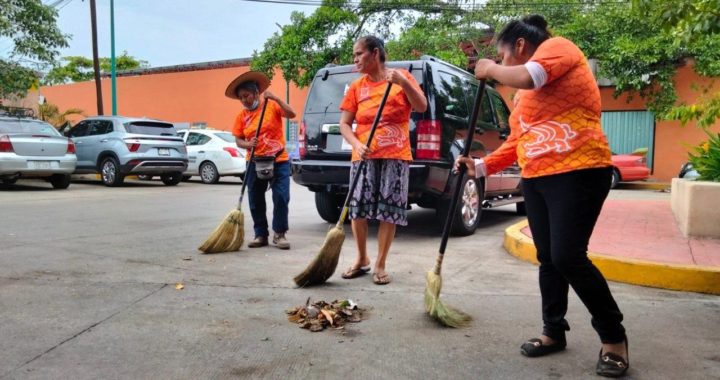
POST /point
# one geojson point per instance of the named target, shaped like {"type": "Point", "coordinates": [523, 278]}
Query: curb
{"type": "Point", "coordinates": [689, 278]}
{"type": "Point", "coordinates": [644, 185]}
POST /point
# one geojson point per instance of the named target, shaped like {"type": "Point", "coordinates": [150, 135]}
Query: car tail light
{"type": "Point", "coordinates": [5, 144]}
{"type": "Point", "coordinates": [302, 147]}
{"type": "Point", "coordinates": [70, 147]}
{"type": "Point", "coordinates": [233, 151]}
{"type": "Point", "coordinates": [132, 145]}
{"type": "Point", "coordinates": [428, 139]}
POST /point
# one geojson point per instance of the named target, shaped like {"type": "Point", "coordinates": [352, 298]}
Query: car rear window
{"type": "Point", "coordinates": [27, 126]}
{"type": "Point", "coordinates": [151, 128]}
{"type": "Point", "coordinates": [226, 136]}
{"type": "Point", "coordinates": [326, 94]}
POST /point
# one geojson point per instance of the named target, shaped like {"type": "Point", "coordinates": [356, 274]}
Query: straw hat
{"type": "Point", "coordinates": [261, 79]}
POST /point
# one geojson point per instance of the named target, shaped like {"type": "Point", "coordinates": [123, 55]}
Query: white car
{"type": "Point", "coordinates": [212, 154]}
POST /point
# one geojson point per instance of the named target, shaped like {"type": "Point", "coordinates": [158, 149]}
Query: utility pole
{"type": "Point", "coordinates": [113, 73]}
{"type": "Point", "coordinates": [96, 62]}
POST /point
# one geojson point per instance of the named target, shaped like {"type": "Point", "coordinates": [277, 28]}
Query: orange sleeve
{"type": "Point", "coordinates": [238, 127]}
{"type": "Point", "coordinates": [503, 156]}
{"type": "Point", "coordinates": [557, 56]}
{"type": "Point", "coordinates": [412, 80]}
{"type": "Point", "coordinates": [349, 102]}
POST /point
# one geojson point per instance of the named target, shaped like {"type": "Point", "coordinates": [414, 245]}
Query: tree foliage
{"type": "Point", "coordinates": [78, 69]}
{"type": "Point", "coordinates": [49, 112]}
{"type": "Point", "coordinates": [32, 27]}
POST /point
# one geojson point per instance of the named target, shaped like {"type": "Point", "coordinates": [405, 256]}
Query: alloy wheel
{"type": "Point", "coordinates": [470, 203]}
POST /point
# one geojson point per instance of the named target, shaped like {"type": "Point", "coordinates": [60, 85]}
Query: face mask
{"type": "Point", "coordinates": [253, 107]}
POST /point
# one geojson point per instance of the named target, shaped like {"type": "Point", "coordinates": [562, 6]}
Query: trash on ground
{"type": "Point", "coordinates": [179, 286]}
{"type": "Point", "coordinates": [321, 315]}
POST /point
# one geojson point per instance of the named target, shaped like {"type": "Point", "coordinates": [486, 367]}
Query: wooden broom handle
{"type": "Point", "coordinates": [252, 153]}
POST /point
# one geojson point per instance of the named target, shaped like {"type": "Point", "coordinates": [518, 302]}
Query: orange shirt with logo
{"type": "Point", "coordinates": [392, 136]}
{"type": "Point", "coordinates": [555, 128]}
{"type": "Point", "coordinates": [271, 140]}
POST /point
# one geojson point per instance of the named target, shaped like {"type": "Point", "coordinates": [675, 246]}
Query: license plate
{"type": "Point", "coordinates": [164, 151]}
{"type": "Point", "coordinates": [43, 164]}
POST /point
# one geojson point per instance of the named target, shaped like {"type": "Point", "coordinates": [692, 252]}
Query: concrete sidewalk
{"type": "Point", "coordinates": [638, 242]}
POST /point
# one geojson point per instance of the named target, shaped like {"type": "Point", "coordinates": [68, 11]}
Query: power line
{"type": "Point", "coordinates": [447, 6]}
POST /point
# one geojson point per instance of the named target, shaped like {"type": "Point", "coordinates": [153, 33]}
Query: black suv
{"type": "Point", "coordinates": [437, 138]}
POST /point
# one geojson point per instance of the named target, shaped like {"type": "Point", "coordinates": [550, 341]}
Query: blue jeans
{"type": "Point", "coordinates": [280, 185]}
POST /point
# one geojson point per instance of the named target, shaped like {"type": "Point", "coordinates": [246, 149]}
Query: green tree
{"type": "Point", "coordinates": [32, 27]}
{"type": "Point", "coordinates": [50, 113]}
{"type": "Point", "coordinates": [78, 69]}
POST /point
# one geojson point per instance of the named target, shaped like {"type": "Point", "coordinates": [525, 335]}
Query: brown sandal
{"type": "Point", "coordinates": [381, 280]}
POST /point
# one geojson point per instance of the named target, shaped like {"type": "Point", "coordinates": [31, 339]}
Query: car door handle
{"type": "Point", "coordinates": [104, 140]}
{"type": "Point", "coordinates": [78, 142]}
{"type": "Point", "coordinates": [202, 151]}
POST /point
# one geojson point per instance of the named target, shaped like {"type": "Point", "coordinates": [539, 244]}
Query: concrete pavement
{"type": "Point", "coordinates": [87, 291]}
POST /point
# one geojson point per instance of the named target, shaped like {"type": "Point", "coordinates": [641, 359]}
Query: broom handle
{"type": "Point", "coordinates": [461, 175]}
{"type": "Point", "coordinates": [252, 154]}
{"type": "Point", "coordinates": [356, 177]}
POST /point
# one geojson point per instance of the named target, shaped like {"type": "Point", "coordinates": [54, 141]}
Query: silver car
{"type": "Point", "coordinates": [117, 146]}
{"type": "Point", "coordinates": [31, 148]}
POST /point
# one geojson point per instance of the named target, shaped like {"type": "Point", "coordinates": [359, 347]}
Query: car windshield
{"type": "Point", "coordinates": [226, 136]}
{"type": "Point", "coordinates": [151, 128]}
{"type": "Point", "coordinates": [27, 126]}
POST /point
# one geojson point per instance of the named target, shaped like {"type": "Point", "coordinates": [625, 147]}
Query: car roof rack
{"type": "Point", "coordinates": [17, 112]}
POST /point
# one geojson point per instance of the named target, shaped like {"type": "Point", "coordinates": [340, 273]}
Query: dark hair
{"type": "Point", "coordinates": [250, 85]}
{"type": "Point", "coordinates": [532, 28]}
{"type": "Point", "coordinates": [372, 43]}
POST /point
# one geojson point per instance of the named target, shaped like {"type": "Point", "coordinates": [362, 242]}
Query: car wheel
{"type": "Point", "coordinates": [615, 179]}
{"type": "Point", "coordinates": [9, 181]}
{"type": "Point", "coordinates": [145, 177]}
{"type": "Point", "coordinates": [110, 172]}
{"type": "Point", "coordinates": [171, 179]}
{"type": "Point", "coordinates": [209, 173]}
{"type": "Point", "coordinates": [469, 208]}
{"type": "Point", "coordinates": [60, 181]}
{"type": "Point", "coordinates": [328, 206]}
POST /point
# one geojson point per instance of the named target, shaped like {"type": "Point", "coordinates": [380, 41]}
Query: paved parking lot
{"type": "Point", "coordinates": [87, 291]}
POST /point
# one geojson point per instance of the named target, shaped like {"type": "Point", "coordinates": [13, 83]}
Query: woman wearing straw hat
{"type": "Point", "coordinates": [566, 170]}
{"type": "Point", "coordinates": [382, 189]}
{"type": "Point", "coordinates": [250, 88]}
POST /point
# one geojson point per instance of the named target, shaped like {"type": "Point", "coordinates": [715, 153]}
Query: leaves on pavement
{"type": "Point", "coordinates": [321, 315]}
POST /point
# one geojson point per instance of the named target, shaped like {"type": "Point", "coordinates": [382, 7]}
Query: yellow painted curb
{"type": "Point", "coordinates": [690, 278]}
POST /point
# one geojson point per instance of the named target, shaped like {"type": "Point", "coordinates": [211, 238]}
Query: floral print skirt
{"type": "Point", "coordinates": [381, 192]}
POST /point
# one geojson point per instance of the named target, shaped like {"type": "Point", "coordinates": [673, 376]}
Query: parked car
{"type": "Point", "coordinates": [117, 146]}
{"type": "Point", "coordinates": [32, 148]}
{"type": "Point", "coordinates": [212, 154]}
{"type": "Point", "coordinates": [629, 167]}
{"type": "Point", "coordinates": [436, 136]}
{"type": "Point", "coordinates": [687, 171]}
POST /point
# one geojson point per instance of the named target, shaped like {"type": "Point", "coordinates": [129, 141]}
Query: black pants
{"type": "Point", "coordinates": [562, 210]}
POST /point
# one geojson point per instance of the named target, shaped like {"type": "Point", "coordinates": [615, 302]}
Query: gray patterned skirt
{"type": "Point", "coordinates": [381, 192]}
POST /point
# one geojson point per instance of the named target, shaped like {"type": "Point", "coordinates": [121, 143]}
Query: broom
{"type": "Point", "coordinates": [325, 263]}
{"type": "Point", "coordinates": [446, 315]}
{"type": "Point", "coordinates": [229, 235]}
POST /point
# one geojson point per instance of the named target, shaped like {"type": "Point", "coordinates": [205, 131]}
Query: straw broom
{"type": "Point", "coordinates": [325, 263]}
{"type": "Point", "coordinates": [229, 235]}
{"type": "Point", "coordinates": [447, 315]}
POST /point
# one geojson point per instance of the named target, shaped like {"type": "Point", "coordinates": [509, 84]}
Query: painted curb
{"type": "Point", "coordinates": [689, 278]}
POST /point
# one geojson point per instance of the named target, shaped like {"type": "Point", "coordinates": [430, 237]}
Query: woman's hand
{"type": "Point", "coordinates": [251, 143]}
{"type": "Point", "coordinates": [395, 77]}
{"type": "Point", "coordinates": [362, 150]}
{"type": "Point", "coordinates": [482, 67]}
{"type": "Point", "coordinates": [469, 163]}
{"type": "Point", "coordinates": [270, 96]}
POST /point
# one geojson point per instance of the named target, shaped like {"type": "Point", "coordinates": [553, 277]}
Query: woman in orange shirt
{"type": "Point", "coordinates": [382, 189]}
{"type": "Point", "coordinates": [557, 140]}
{"type": "Point", "coordinates": [250, 88]}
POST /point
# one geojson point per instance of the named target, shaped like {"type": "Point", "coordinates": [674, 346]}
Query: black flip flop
{"type": "Point", "coordinates": [355, 272]}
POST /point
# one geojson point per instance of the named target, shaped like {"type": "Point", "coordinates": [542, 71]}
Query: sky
{"type": "Point", "coordinates": [173, 32]}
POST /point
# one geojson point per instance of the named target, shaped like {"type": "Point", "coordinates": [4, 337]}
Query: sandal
{"type": "Point", "coordinates": [381, 279]}
{"type": "Point", "coordinates": [355, 272]}
{"type": "Point", "coordinates": [613, 365]}
{"type": "Point", "coordinates": [534, 348]}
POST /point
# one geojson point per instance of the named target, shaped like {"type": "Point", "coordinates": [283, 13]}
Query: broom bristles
{"type": "Point", "coordinates": [228, 236]}
{"type": "Point", "coordinates": [325, 263]}
{"type": "Point", "coordinates": [446, 315]}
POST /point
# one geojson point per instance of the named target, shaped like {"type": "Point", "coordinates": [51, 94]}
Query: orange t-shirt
{"type": "Point", "coordinates": [392, 136]}
{"type": "Point", "coordinates": [272, 136]}
{"type": "Point", "coordinates": [555, 128]}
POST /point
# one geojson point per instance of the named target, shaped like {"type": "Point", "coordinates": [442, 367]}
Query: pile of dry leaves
{"type": "Point", "coordinates": [321, 315]}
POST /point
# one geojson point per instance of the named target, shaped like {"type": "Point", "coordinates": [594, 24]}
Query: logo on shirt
{"type": "Point", "coordinates": [364, 93]}
{"type": "Point", "coordinates": [550, 136]}
{"type": "Point", "coordinates": [392, 136]}
{"type": "Point", "coordinates": [272, 147]}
